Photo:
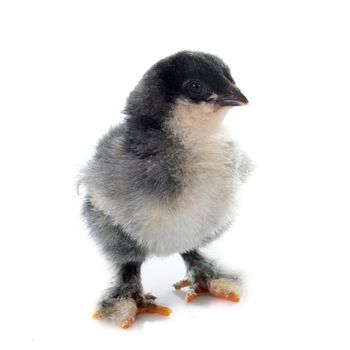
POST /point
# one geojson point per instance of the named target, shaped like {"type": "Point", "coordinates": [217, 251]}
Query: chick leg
{"type": "Point", "coordinates": [126, 298]}
{"type": "Point", "coordinates": [123, 302]}
{"type": "Point", "coordinates": [205, 278]}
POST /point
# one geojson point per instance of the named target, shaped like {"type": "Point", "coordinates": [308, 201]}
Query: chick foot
{"type": "Point", "coordinates": [223, 288]}
{"type": "Point", "coordinates": [122, 311]}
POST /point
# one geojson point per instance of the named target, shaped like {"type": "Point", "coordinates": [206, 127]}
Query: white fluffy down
{"type": "Point", "coordinates": [123, 311]}
{"type": "Point", "coordinates": [227, 286]}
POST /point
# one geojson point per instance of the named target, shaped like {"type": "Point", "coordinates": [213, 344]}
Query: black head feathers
{"type": "Point", "coordinates": [194, 76]}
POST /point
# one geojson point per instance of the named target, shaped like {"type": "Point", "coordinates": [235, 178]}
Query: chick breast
{"type": "Point", "coordinates": [172, 202]}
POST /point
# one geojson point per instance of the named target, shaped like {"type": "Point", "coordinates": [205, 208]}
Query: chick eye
{"type": "Point", "coordinates": [195, 87]}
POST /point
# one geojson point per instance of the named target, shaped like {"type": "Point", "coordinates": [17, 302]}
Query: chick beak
{"type": "Point", "coordinates": [233, 97]}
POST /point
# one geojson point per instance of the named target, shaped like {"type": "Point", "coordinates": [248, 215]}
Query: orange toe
{"type": "Point", "coordinates": [126, 324]}
{"type": "Point", "coordinates": [182, 284]}
{"type": "Point", "coordinates": [228, 296]}
{"type": "Point", "coordinates": [190, 296]}
{"type": "Point", "coordinates": [96, 315]}
{"type": "Point", "coordinates": [154, 309]}
{"type": "Point", "coordinates": [225, 296]}
{"type": "Point", "coordinates": [193, 294]}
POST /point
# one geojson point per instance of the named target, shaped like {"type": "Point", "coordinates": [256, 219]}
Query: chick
{"type": "Point", "coordinates": [165, 180]}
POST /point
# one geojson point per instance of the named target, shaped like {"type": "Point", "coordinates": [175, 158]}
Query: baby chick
{"type": "Point", "coordinates": [165, 180]}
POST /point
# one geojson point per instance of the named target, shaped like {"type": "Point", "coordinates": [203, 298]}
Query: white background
{"type": "Point", "coordinates": [66, 69]}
